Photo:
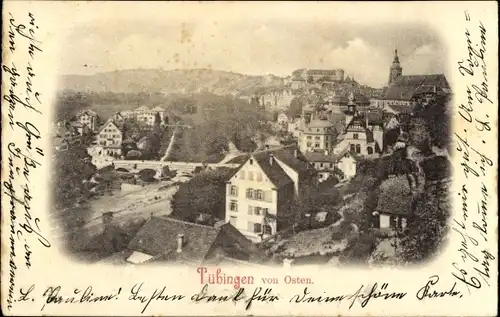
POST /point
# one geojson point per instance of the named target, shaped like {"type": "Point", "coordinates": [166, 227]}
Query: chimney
{"type": "Point", "coordinates": [326, 153]}
{"type": "Point", "coordinates": [287, 263]}
{"type": "Point", "coordinates": [271, 159]}
{"type": "Point", "coordinates": [180, 242]}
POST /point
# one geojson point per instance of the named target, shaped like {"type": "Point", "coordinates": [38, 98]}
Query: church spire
{"type": "Point", "coordinates": [396, 70]}
{"type": "Point", "coordinates": [396, 58]}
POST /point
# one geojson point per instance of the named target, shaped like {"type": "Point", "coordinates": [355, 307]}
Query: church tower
{"type": "Point", "coordinates": [351, 110]}
{"type": "Point", "coordinates": [396, 70]}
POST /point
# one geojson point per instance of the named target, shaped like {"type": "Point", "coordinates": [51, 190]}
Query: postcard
{"type": "Point", "coordinates": [249, 158]}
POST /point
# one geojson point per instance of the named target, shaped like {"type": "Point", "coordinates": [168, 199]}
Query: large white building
{"type": "Point", "coordinates": [259, 194]}
{"type": "Point", "coordinates": [88, 118]}
{"type": "Point", "coordinates": [110, 138]}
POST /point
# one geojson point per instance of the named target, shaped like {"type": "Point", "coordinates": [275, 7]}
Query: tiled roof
{"type": "Point", "coordinates": [158, 237]}
{"type": "Point", "coordinates": [401, 108]}
{"type": "Point", "coordinates": [273, 170]}
{"type": "Point", "coordinates": [287, 156]}
{"type": "Point", "coordinates": [319, 124]}
{"type": "Point", "coordinates": [319, 156]}
{"type": "Point", "coordinates": [404, 87]}
{"type": "Point", "coordinates": [110, 122]}
{"type": "Point", "coordinates": [375, 117]}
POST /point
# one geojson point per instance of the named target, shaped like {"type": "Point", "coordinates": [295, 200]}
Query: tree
{"type": "Point", "coordinates": [205, 193]}
{"type": "Point", "coordinates": [295, 108]}
{"type": "Point", "coordinates": [359, 249]}
{"type": "Point", "coordinates": [438, 118]}
{"type": "Point", "coordinates": [426, 229]}
{"type": "Point", "coordinates": [419, 135]}
{"type": "Point", "coordinates": [157, 119]}
{"type": "Point", "coordinates": [147, 175]}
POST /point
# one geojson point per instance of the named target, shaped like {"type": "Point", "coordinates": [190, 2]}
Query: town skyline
{"type": "Point", "coordinates": [254, 49]}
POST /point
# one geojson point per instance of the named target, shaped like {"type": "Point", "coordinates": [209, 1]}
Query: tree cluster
{"type": "Point", "coordinates": [205, 193]}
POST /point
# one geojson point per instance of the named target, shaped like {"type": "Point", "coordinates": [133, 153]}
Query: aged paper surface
{"type": "Point", "coordinates": [249, 158]}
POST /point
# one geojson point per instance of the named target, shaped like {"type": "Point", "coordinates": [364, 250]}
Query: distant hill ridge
{"type": "Point", "coordinates": [170, 81]}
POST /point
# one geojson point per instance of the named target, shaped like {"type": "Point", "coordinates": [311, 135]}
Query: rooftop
{"type": "Point", "coordinates": [320, 124]}
{"type": "Point", "coordinates": [405, 87]}
{"type": "Point", "coordinates": [158, 239]}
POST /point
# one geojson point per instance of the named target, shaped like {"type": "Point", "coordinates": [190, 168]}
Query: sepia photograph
{"type": "Point", "coordinates": [181, 143]}
{"type": "Point", "coordinates": [250, 158]}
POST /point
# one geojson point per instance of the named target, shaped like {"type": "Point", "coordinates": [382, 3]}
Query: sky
{"type": "Point", "coordinates": [253, 46]}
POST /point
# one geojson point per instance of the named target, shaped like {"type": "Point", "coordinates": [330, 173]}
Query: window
{"type": "Point", "coordinates": [232, 220]}
{"type": "Point", "coordinates": [233, 205]}
{"type": "Point", "coordinates": [316, 138]}
{"type": "Point", "coordinates": [249, 193]}
{"type": "Point", "coordinates": [267, 229]}
{"type": "Point", "coordinates": [393, 222]}
{"type": "Point", "coordinates": [257, 210]}
{"type": "Point", "coordinates": [358, 148]}
{"type": "Point", "coordinates": [259, 177]}
{"type": "Point", "coordinates": [355, 136]}
{"type": "Point", "coordinates": [317, 130]}
{"type": "Point", "coordinates": [352, 147]}
{"type": "Point", "coordinates": [316, 145]}
{"type": "Point", "coordinates": [251, 161]}
{"type": "Point", "coordinates": [250, 210]}
{"type": "Point", "coordinates": [320, 164]}
{"type": "Point", "coordinates": [369, 150]}
{"type": "Point", "coordinates": [309, 144]}
{"type": "Point", "coordinates": [234, 191]}
{"type": "Point", "coordinates": [309, 137]}
{"type": "Point", "coordinates": [250, 176]}
{"type": "Point", "coordinates": [257, 228]}
{"type": "Point", "coordinates": [259, 195]}
{"type": "Point", "coordinates": [265, 211]}
{"type": "Point", "coordinates": [242, 174]}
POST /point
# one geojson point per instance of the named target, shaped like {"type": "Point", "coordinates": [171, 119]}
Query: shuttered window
{"type": "Point", "coordinates": [257, 228]}
{"type": "Point", "coordinates": [233, 191]}
{"type": "Point", "coordinates": [259, 195]}
{"type": "Point", "coordinates": [233, 205]}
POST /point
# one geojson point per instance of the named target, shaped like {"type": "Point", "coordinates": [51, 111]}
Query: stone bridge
{"type": "Point", "coordinates": [181, 167]}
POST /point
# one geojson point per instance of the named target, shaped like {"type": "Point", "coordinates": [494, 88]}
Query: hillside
{"type": "Point", "coordinates": [168, 81]}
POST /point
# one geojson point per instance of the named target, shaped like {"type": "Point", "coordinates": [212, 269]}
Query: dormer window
{"type": "Point", "coordinates": [251, 161]}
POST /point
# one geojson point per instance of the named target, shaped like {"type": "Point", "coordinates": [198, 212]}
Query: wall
{"type": "Point", "coordinates": [242, 184]}
{"type": "Point", "coordinates": [348, 166]}
{"type": "Point", "coordinates": [385, 221]}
